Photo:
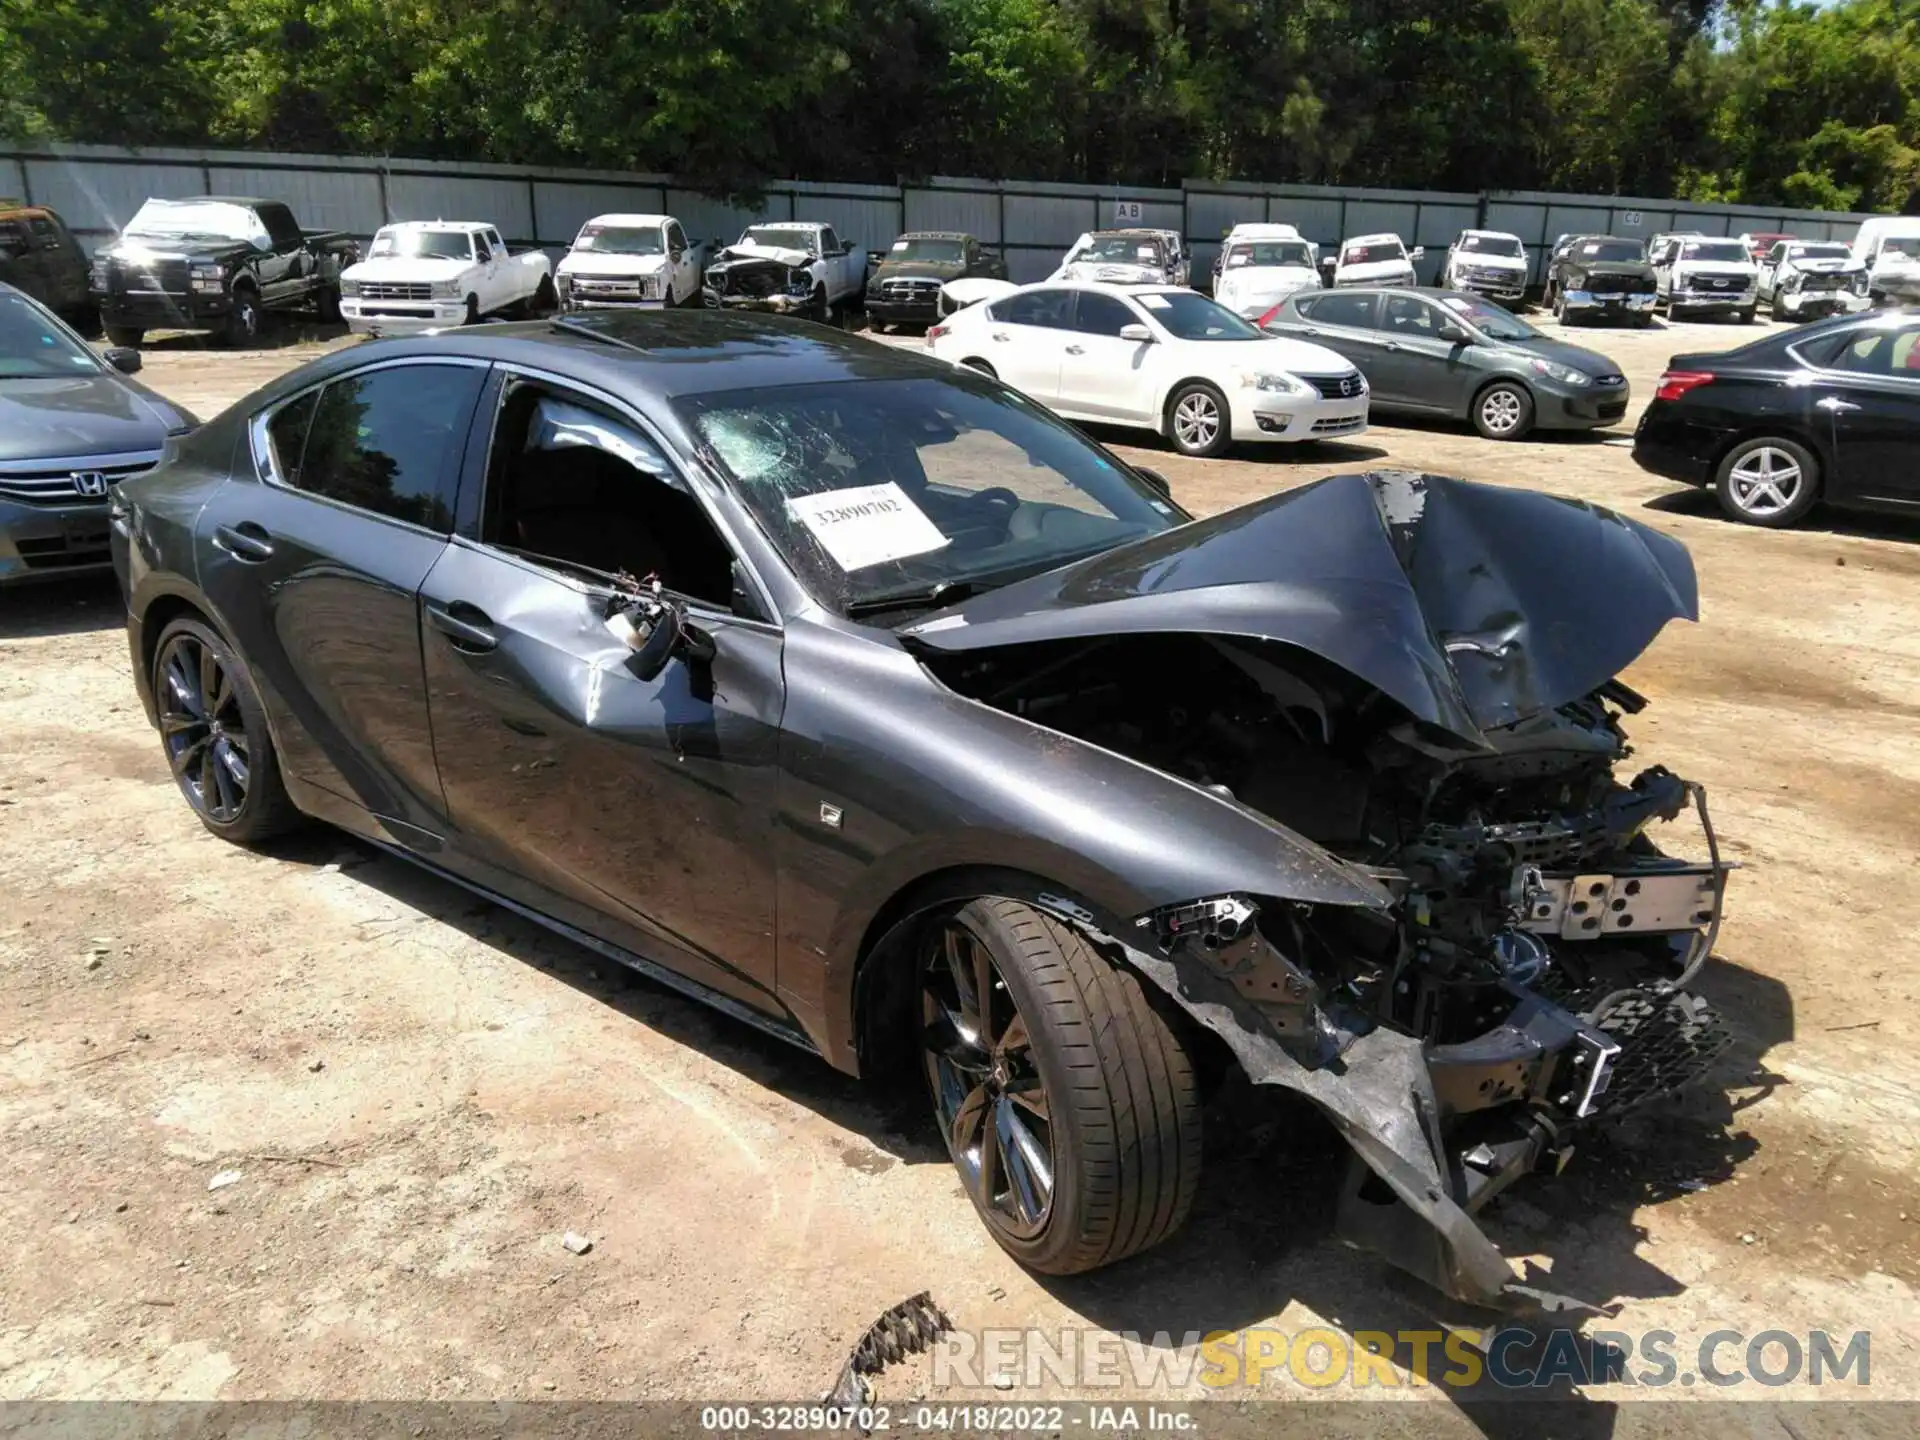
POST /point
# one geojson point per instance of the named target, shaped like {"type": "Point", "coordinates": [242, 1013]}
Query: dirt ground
{"type": "Point", "coordinates": [420, 1093]}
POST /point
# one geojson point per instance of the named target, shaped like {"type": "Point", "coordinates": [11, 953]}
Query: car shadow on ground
{"type": "Point", "coordinates": [1260, 1235]}
{"type": "Point", "coordinates": [1824, 519]}
{"type": "Point", "coordinates": [68, 606]}
{"type": "Point", "coordinates": [281, 332]}
{"type": "Point", "coordinates": [1444, 425]}
{"type": "Point", "coordinates": [1313, 453]}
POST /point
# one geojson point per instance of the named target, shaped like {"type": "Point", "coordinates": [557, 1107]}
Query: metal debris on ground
{"type": "Point", "coordinates": [224, 1179]}
{"type": "Point", "coordinates": [909, 1328]}
{"type": "Point", "coordinates": [576, 1243]}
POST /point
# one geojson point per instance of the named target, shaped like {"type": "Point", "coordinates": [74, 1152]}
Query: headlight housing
{"type": "Point", "coordinates": [445, 289]}
{"type": "Point", "coordinates": [97, 275]}
{"type": "Point", "coordinates": [1276, 382]}
{"type": "Point", "coordinates": [1565, 374]}
{"type": "Point", "coordinates": [1860, 283]}
{"type": "Point", "coordinates": [1791, 283]}
{"type": "Point", "coordinates": [205, 276]}
{"type": "Point", "coordinates": [799, 282]}
{"type": "Point", "coordinates": [349, 287]}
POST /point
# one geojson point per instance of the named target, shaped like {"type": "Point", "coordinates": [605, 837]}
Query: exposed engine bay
{"type": "Point", "coordinates": [1523, 971]}
{"type": "Point", "coordinates": [1538, 940]}
{"type": "Point", "coordinates": [760, 277]}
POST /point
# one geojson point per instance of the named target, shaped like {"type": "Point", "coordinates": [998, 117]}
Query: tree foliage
{"type": "Point", "coordinates": [1767, 101]}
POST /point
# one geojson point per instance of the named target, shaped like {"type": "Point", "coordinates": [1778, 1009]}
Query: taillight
{"type": "Point", "coordinates": [1676, 383]}
{"type": "Point", "coordinates": [1267, 318]}
{"type": "Point", "coordinates": [934, 332]}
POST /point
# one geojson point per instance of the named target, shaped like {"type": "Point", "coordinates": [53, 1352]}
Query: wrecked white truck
{"type": "Point", "coordinates": [795, 268]}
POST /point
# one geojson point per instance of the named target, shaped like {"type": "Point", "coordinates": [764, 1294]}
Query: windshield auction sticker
{"type": "Point", "coordinates": [867, 526]}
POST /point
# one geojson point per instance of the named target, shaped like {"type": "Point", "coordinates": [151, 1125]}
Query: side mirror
{"type": "Point", "coordinates": [1155, 479]}
{"type": "Point", "coordinates": [656, 629]}
{"type": "Point", "coordinates": [123, 358]}
{"type": "Point", "coordinates": [1329, 263]}
{"type": "Point", "coordinates": [1137, 333]}
{"type": "Point", "coordinates": [1417, 252]}
{"type": "Point", "coordinates": [1454, 335]}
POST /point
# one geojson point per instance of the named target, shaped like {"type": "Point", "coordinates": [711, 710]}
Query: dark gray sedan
{"type": "Point", "coordinates": [1444, 352]}
{"type": "Point", "coordinates": [71, 426]}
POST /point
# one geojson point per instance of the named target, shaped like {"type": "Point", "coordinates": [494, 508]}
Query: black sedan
{"type": "Point", "coordinates": [862, 698]}
{"type": "Point", "coordinates": [1829, 412]}
{"type": "Point", "coordinates": [1445, 352]}
{"type": "Point", "coordinates": [71, 427]}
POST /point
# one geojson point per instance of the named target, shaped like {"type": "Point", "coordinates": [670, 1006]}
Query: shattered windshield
{"type": "Point", "coordinates": [423, 244]}
{"type": "Point", "coordinates": [1124, 250]}
{"type": "Point", "coordinates": [33, 347]}
{"type": "Point", "coordinates": [622, 240]}
{"type": "Point", "coordinates": [1492, 245]}
{"type": "Point", "coordinates": [196, 220]}
{"type": "Point", "coordinates": [776, 238]}
{"type": "Point", "coordinates": [1378, 253]}
{"type": "Point", "coordinates": [877, 491]}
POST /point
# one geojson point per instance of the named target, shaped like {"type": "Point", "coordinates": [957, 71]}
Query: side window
{"type": "Point", "coordinates": [829, 242]}
{"type": "Point", "coordinates": [1880, 352]}
{"type": "Point", "coordinates": [1048, 309]}
{"type": "Point", "coordinates": [388, 441]}
{"type": "Point", "coordinates": [287, 435]}
{"type": "Point", "coordinates": [1353, 311]}
{"type": "Point", "coordinates": [1409, 315]}
{"type": "Point", "coordinates": [676, 237]}
{"type": "Point", "coordinates": [45, 236]}
{"type": "Point", "coordinates": [282, 233]}
{"type": "Point", "coordinates": [1101, 314]}
{"type": "Point", "coordinates": [482, 247]}
{"type": "Point", "coordinates": [572, 483]}
{"type": "Point", "coordinates": [13, 236]}
{"type": "Point", "coordinates": [1777, 254]}
{"type": "Point", "coordinates": [499, 245]}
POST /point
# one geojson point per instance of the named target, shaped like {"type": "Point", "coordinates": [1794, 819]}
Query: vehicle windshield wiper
{"type": "Point", "coordinates": [941, 592]}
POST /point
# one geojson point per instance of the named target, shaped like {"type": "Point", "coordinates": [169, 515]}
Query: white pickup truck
{"type": "Point", "coordinates": [620, 261]}
{"type": "Point", "coordinates": [429, 274]}
{"type": "Point", "coordinates": [790, 267]}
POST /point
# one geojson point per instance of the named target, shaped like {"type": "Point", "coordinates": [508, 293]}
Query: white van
{"type": "Point", "coordinates": [1889, 246]}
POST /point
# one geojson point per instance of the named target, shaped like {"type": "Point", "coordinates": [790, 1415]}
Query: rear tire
{"type": "Point", "coordinates": [1072, 1072]}
{"type": "Point", "coordinates": [982, 366]}
{"type": "Point", "coordinates": [1745, 317]}
{"type": "Point", "coordinates": [545, 300]}
{"type": "Point", "coordinates": [214, 734]}
{"type": "Point", "coordinates": [1768, 481]}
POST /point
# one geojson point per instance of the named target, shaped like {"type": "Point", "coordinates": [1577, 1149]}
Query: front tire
{"type": "Point", "coordinates": [545, 299]}
{"type": "Point", "coordinates": [1745, 317]}
{"type": "Point", "coordinates": [1768, 481]}
{"type": "Point", "coordinates": [1067, 1102]}
{"type": "Point", "coordinates": [245, 320]}
{"type": "Point", "coordinates": [1503, 411]}
{"type": "Point", "coordinates": [1198, 421]}
{"type": "Point", "coordinates": [820, 311]}
{"type": "Point", "coordinates": [214, 733]}
{"type": "Point", "coordinates": [327, 304]}
{"type": "Point", "coordinates": [125, 337]}
{"type": "Point", "coordinates": [472, 316]}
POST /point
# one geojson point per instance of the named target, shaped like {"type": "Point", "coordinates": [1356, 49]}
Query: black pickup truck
{"type": "Point", "coordinates": [216, 263]}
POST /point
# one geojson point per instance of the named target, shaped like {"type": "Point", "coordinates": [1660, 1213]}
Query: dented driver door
{"type": "Point", "coordinates": [638, 810]}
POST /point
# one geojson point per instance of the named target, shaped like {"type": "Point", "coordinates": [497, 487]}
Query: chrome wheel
{"type": "Point", "coordinates": [987, 1093]}
{"type": "Point", "coordinates": [202, 728]}
{"type": "Point", "coordinates": [1501, 411]}
{"type": "Point", "coordinates": [1196, 420]}
{"type": "Point", "coordinates": [1766, 481]}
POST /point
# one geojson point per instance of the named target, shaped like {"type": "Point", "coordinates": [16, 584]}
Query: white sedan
{"type": "Point", "coordinates": [1164, 359]}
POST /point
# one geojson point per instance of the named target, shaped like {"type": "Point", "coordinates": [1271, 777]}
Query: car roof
{"type": "Point", "coordinates": [664, 353]}
{"type": "Point", "coordinates": [791, 225]}
{"type": "Point", "coordinates": [933, 235]}
{"type": "Point", "coordinates": [1265, 230]}
{"type": "Point", "coordinates": [1372, 239]}
{"type": "Point", "coordinates": [438, 225]}
{"type": "Point", "coordinates": [620, 217]}
{"type": "Point", "coordinates": [250, 201]}
{"type": "Point", "coordinates": [9, 209]}
{"type": "Point", "coordinates": [1492, 234]}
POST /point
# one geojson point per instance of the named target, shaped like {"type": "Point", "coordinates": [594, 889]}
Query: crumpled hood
{"type": "Point", "coordinates": [1473, 259]}
{"type": "Point", "coordinates": [1254, 283]}
{"type": "Point", "coordinates": [754, 250]}
{"type": "Point", "coordinates": [1374, 270]}
{"type": "Point", "coordinates": [1612, 269]}
{"type": "Point", "coordinates": [919, 270]}
{"type": "Point", "coordinates": [1826, 266]}
{"type": "Point", "coordinates": [601, 262]}
{"type": "Point", "coordinates": [1718, 269]}
{"type": "Point", "coordinates": [1472, 606]}
{"type": "Point", "coordinates": [406, 269]}
{"type": "Point", "coordinates": [149, 249]}
{"type": "Point", "coordinates": [79, 415]}
{"type": "Point", "coordinates": [1110, 272]}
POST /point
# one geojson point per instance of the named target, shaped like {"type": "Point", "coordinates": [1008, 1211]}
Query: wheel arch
{"type": "Point", "coordinates": [175, 603]}
{"type": "Point", "coordinates": [1176, 386]}
{"type": "Point", "coordinates": [1777, 428]}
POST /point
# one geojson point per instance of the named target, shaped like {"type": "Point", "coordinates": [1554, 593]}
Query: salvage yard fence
{"type": "Point", "coordinates": [97, 187]}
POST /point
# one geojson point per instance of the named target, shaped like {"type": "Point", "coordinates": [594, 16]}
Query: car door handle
{"type": "Point", "coordinates": [1393, 344]}
{"type": "Point", "coordinates": [1310, 329]}
{"type": "Point", "coordinates": [1075, 350]}
{"type": "Point", "coordinates": [1836, 406]}
{"type": "Point", "coordinates": [467, 626]}
{"type": "Point", "coordinates": [1001, 335]}
{"type": "Point", "coordinates": [246, 541]}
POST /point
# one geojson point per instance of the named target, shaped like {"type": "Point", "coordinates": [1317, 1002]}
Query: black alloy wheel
{"type": "Point", "coordinates": [215, 736]}
{"type": "Point", "coordinates": [245, 320]}
{"type": "Point", "coordinates": [987, 1091]}
{"type": "Point", "coordinates": [202, 728]}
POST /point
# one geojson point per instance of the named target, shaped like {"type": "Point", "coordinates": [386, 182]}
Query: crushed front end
{"type": "Point", "coordinates": [1529, 980]}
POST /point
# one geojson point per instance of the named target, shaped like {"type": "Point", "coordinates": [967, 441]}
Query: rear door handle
{"type": "Point", "coordinates": [1393, 344]}
{"type": "Point", "coordinates": [246, 541]}
{"type": "Point", "coordinates": [467, 626]}
{"type": "Point", "coordinates": [1834, 405]}
{"type": "Point", "coordinates": [1075, 350]}
{"type": "Point", "coordinates": [1001, 335]}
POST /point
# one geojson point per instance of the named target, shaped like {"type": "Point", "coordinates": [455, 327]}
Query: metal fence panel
{"type": "Point", "coordinates": [561, 207]}
{"type": "Point", "coordinates": [971, 212]}
{"type": "Point", "coordinates": [1210, 214]}
{"type": "Point", "coordinates": [1317, 218]}
{"type": "Point", "coordinates": [718, 222]}
{"type": "Point", "coordinates": [1380, 217]}
{"type": "Point", "coordinates": [99, 199]}
{"type": "Point", "coordinates": [1576, 220]}
{"type": "Point", "coordinates": [869, 223]}
{"type": "Point", "coordinates": [507, 205]}
{"type": "Point", "coordinates": [1707, 222]}
{"type": "Point", "coordinates": [320, 199]}
{"type": "Point", "coordinates": [1052, 222]}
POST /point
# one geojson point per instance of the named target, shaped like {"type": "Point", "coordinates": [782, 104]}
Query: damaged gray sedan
{"type": "Point", "coordinates": [865, 700]}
